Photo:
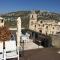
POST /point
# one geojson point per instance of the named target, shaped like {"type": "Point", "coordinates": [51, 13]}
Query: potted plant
{"type": "Point", "coordinates": [5, 34]}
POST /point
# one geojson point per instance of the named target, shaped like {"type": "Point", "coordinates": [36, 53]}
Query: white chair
{"type": "Point", "coordinates": [11, 49]}
{"type": "Point", "coordinates": [25, 38]}
{"type": "Point", "coordinates": [1, 50]}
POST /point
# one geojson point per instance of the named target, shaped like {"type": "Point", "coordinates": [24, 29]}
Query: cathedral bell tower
{"type": "Point", "coordinates": [33, 21]}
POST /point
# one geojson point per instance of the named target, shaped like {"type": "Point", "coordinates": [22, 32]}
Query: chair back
{"type": "Point", "coordinates": [10, 45]}
{"type": "Point", "coordinates": [1, 46]}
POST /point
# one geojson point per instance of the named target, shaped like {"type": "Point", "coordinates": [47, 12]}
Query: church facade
{"type": "Point", "coordinates": [43, 26]}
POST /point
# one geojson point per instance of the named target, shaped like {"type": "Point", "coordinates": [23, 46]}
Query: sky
{"type": "Point", "coordinates": [17, 5]}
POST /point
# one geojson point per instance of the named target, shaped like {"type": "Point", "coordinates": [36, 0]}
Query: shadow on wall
{"type": "Point", "coordinates": [56, 41]}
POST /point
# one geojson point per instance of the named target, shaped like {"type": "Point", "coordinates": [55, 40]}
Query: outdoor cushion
{"type": "Point", "coordinates": [11, 51]}
{"type": "Point", "coordinates": [1, 50]}
{"type": "Point", "coordinates": [1, 46]}
{"type": "Point", "coordinates": [12, 54]}
{"type": "Point", "coordinates": [10, 45]}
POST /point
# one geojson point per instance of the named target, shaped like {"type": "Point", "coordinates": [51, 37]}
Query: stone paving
{"type": "Point", "coordinates": [31, 45]}
{"type": "Point", "coordinates": [41, 54]}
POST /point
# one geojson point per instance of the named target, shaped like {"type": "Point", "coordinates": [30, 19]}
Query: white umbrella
{"type": "Point", "coordinates": [18, 30]}
{"type": "Point", "coordinates": [18, 33]}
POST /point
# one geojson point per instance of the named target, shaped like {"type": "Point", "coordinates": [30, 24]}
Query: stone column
{"type": "Point", "coordinates": [18, 34]}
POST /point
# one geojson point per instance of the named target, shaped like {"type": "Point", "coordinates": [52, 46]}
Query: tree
{"type": "Point", "coordinates": [5, 34]}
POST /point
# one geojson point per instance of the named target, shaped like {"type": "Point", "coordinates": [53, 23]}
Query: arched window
{"type": "Point", "coordinates": [1, 21]}
{"type": "Point", "coordinates": [41, 22]}
{"type": "Point", "coordinates": [43, 25]}
{"type": "Point", "coordinates": [40, 31]}
{"type": "Point", "coordinates": [38, 24]}
{"type": "Point", "coordinates": [53, 27]}
{"type": "Point", "coordinates": [32, 16]}
{"type": "Point", "coordinates": [46, 27]}
{"type": "Point", "coordinates": [35, 25]}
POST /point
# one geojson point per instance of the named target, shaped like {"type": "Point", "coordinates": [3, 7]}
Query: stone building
{"type": "Point", "coordinates": [43, 26]}
{"type": "Point", "coordinates": [1, 22]}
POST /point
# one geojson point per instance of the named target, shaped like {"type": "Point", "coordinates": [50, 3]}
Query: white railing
{"type": "Point", "coordinates": [14, 28]}
{"type": "Point", "coordinates": [10, 51]}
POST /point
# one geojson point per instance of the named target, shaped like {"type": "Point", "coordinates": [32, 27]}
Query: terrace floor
{"type": "Point", "coordinates": [41, 54]}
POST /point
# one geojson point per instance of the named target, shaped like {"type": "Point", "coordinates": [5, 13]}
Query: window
{"type": "Point", "coordinates": [40, 31]}
{"type": "Point", "coordinates": [53, 27]}
{"type": "Point", "coordinates": [40, 21]}
{"type": "Point", "coordinates": [43, 25]}
{"type": "Point", "coordinates": [32, 16]}
{"type": "Point", "coordinates": [39, 24]}
{"type": "Point", "coordinates": [46, 33]}
{"type": "Point", "coordinates": [35, 25]}
{"type": "Point", "coordinates": [1, 21]}
{"type": "Point", "coordinates": [46, 27]}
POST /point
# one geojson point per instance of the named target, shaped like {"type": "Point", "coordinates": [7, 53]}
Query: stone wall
{"type": "Point", "coordinates": [56, 41]}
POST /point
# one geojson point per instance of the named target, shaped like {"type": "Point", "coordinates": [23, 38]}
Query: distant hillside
{"type": "Point", "coordinates": [10, 18]}
{"type": "Point", "coordinates": [41, 14]}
